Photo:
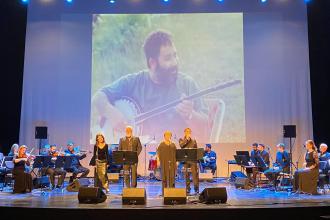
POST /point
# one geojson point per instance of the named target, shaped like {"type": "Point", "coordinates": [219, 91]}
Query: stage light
{"type": "Point", "coordinates": [112, 1]}
{"type": "Point", "coordinates": [25, 1]}
{"type": "Point", "coordinates": [307, 1]}
{"type": "Point", "coordinates": [69, 1]}
{"type": "Point", "coordinates": [263, 1]}
{"type": "Point", "coordinates": [220, 1]}
{"type": "Point", "coordinates": [166, 1]}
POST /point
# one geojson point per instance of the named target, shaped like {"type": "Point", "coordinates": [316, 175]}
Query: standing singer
{"type": "Point", "coordinates": [188, 142]}
{"type": "Point", "coordinates": [130, 143]}
{"type": "Point", "coordinates": [166, 152]}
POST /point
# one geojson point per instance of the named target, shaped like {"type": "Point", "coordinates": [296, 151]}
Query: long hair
{"type": "Point", "coordinates": [19, 154]}
{"type": "Point", "coordinates": [312, 143]}
{"type": "Point", "coordinates": [97, 135]}
{"type": "Point", "coordinates": [13, 147]}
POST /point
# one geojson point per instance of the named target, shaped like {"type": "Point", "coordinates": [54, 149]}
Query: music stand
{"type": "Point", "coordinates": [189, 154]}
{"type": "Point", "coordinates": [41, 162]}
{"type": "Point", "coordinates": [60, 161]}
{"type": "Point", "coordinates": [125, 158]}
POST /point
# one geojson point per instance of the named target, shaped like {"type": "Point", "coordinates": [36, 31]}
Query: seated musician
{"type": "Point", "coordinates": [13, 150]}
{"type": "Point", "coordinates": [76, 166]}
{"type": "Point", "coordinates": [52, 171]}
{"type": "Point", "coordinates": [282, 163]}
{"type": "Point", "coordinates": [264, 155]}
{"type": "Point", "coordinates": [209, 160]}
{"type": "Point", "coordinates": [324, 155]}
{"type": "Point", "coordinates": [23, 180]}
{"type": "Point", "coordinates": [305, 180]}
{"type": "Point", "coordinates": [253, 154]}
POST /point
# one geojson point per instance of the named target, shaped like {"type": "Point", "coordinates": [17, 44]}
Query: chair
{"type": "Point", "coordinates": [323, 180]}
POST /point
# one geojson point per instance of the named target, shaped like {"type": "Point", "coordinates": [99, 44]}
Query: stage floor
{"type": "Point", "coordinates": [237, 198]}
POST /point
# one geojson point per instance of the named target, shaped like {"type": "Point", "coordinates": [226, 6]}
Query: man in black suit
{"type": "Point", "coordinates": [188, 142]}
{"type": "Point", "coordinates": [130, 143]}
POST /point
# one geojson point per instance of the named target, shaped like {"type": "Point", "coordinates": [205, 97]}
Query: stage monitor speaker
{"type": "Point", "coordinates": [134, 196]}
{"type": "Point", "coordinates": [91, 195]}
{"type": "Point", "coordinates": [235, 174]}
{"type": "Point", "coordinates": [174, 196]}
{"type": "Point", "coordinates": [41, 133]}
{"type": "Point", "coordinates": [243, 183]}
{"type": "Point", "coordinates": [289, 131]}
{"type": "Point", "coordinates": [76, 184]}
{"type": "Point", "coordinates": [214, 195]}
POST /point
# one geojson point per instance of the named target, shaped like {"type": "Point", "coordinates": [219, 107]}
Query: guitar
{"type": "Point", "coordinates": [135, 117]}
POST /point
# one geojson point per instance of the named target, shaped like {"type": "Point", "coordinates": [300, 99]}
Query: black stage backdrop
{"type": "Point", "coordinates": [12, 38]}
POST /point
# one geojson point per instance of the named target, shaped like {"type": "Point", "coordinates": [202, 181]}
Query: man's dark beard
{"type": "Point", "coordinates": [166, 75]}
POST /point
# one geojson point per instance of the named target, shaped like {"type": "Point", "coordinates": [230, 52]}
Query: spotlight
{"type": "Point", "coordinates": [263, 1]}
{"type": "Point", "coordinates": [166, 1]}
{"type": "Point", "coordinates": [69, 1]}
{"type": "Point", "coordinates": [307, 1]}
{"type": "Point", "coordinates": [25, 1]}
{"type": "Point", "coordinates": [112, 1]}
{"type": "Point", "coordinates": [220, 1]}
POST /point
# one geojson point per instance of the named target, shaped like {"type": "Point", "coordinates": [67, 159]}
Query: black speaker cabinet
{"type": "Point", "coordinates": [243, 183]}
{"type": "Point", "coordinates": [236, 174]}
{"type": "Point", "coordinates": [214, 195]}
{"type": "Point", "coordinates": [289, 131]}
{"type": "Point", "coordinates": [174, 196]}
{"type": "Point", "coordinates": [77, 184]}
{"type": "Point", "coordinates": [91, 195]}
{"type": "Point", "coordinates": [41, 133]}
{"type": "Point", "coordinates": [134, 196]}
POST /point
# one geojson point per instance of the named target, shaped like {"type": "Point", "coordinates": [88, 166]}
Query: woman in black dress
{"type": "Point", "coordinates": [23, 180]}
{"type": "Point", "coordinates": [100, 159]}
{"type": "Point", "coordinates": [305, 180]}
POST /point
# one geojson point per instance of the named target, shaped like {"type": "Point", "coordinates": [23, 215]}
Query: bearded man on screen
{"type": "Point", "coordinates": [160, 84]}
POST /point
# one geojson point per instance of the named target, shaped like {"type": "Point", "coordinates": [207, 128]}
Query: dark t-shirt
{"type": "Point", "coordinates": [148, 96]}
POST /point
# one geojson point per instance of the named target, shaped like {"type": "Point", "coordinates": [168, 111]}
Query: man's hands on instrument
{"type": "Point", "coordinates": [185, 109]}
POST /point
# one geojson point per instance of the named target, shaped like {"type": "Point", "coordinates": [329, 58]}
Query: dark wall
{"type": "Point", "coordinates": [12, 38]}
{"type": "Point", "coordinates": [319, 47]}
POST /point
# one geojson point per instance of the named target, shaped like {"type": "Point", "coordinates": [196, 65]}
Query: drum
{"type": "Point", "coordinates": [152, 164]}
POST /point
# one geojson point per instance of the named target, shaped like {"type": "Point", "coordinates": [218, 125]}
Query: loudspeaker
{"type": "Point", "coordinates": [174, 196]}
{"type": "Point", "coordinates": [289, 131]}
{"type": "Point", "coordinates": [91, 195]}
{"type": "Point", "coordinates": [134, 196]}
{"type": "Point", "coordinates": [214, 195]}
{"type": "Point", "coordinates": [243, 183]}
{"type": "Point", "coordinates": [41, 133]}
{"type": "Point", "coordinates": [41, 182]}
{"type": "Point", "coordinates": [235, 174]}
{"type": "Point", "coordinates": [76, 184]}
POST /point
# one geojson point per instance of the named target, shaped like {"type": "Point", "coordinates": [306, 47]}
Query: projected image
{"type": "Point", "coordinates": [160, 72]}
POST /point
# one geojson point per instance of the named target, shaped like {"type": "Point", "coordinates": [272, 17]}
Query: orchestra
{"type": "Point", "coordinates": [258, 161]}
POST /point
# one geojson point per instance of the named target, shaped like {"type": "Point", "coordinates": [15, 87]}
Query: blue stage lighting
{"type": "Point", "coordinates": [220, 1]}
{"type": "Point", "coordinates": [69, 1]}
{"type": "Point", "coordinates": [166, 1]}
{"type": "Point", "coordinates": [263, 1]}
{"type": "Point", "coordinates": [307, 1]}
{"type": "Point", "coordinates": [112, 1]}
{"type": "Point", "coordinates": [25, 1]}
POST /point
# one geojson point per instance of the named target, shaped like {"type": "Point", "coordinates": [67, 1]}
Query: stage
{"type": "Point", "coordinates": [240, 203]}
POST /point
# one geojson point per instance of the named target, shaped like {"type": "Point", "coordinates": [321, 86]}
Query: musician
{"type": "Point", "coordinates": [166, 153]}
{"type": "Point", "coordinates": [162, 83]}
{"type": "Point", "coordinates": [101, 160]}
{"type": "Point", "coordinates": [264, 155]}
{"type": "Point", "coordinates": [324, 155]}
{"type": "Point", "coordinates": [23, 180]}
{"type": "Point", "coordinates": [13, 150]}
{"type": "Point", "coordinates": [52, 171]}
{"type": "Point", "coordinates": [282, 163]}
{"type": "Point", "coordinates": [130, 143]}
{"type": "Point", "coordinates": [305, 180]}
{"type": "Point", "coordinates": [188, 142]}
{"type": "Point", "coordinates": [76, 166]}
{"type": "Point", "coordinates": [209, 159]}
{"type": "Point", "coordinates": [253, 154]}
